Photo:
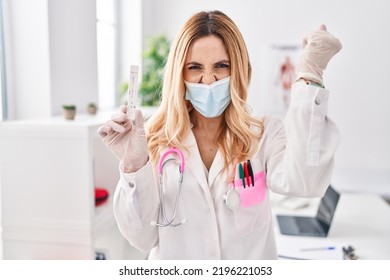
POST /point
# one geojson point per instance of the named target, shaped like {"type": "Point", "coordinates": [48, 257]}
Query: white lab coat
{"type": "Point", "coordinates": [297, 156]}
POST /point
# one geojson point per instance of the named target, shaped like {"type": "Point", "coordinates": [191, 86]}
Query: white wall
{"type": "Point", "coordinates": [130, 38]}
{"type": "Point", "coordinates": [51, 53]}
{"type": "Point", "coordinates": [357, 77]}
{"type": "Point", "coordinates": [73, 53]}
{"type": "Point", "coordinates": [27, 57]}
{"type": "Point", "coordinates": [51, 56]}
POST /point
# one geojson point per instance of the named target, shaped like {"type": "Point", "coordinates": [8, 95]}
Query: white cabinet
{"type": "Point", "coordinates": [48, 171]}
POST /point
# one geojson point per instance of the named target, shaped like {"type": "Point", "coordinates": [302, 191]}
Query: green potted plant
{"type": "Point", "coordinates": [92, 108]}
{"type": "Point", "coordinates": [69, 111]}
{"type": "Point", "coordinates": [154, 59]}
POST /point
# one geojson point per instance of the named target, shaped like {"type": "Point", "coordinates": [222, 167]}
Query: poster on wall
{"type": "Point", "coordinates": [281, 62]}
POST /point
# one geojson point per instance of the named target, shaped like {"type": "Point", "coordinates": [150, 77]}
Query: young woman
{"type": "Point", "coordinates": [218, 207]}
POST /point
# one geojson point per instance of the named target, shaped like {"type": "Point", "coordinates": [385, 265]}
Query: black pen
{"type": "Point", "coordinates": [250, 170]}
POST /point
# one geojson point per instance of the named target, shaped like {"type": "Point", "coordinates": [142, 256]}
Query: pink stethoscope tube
{"type": "Point", "coordinates": [171, 150]}
{"type": "Point", "coordinates": [162, 161]}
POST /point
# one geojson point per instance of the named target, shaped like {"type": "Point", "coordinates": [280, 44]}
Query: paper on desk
{"type": "Point", "coordinates": [291, 247]}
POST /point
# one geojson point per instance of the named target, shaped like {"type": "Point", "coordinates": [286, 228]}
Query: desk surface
{"type": "Point", "coordinates": [361, 220]}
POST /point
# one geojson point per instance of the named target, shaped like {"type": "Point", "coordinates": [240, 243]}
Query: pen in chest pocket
{"type": "Point", "coordinates": [242, 174]}
{"type": "Point", "coordinates": [250, 170]}
{"type": "Point", "coordinates": [246, 175]}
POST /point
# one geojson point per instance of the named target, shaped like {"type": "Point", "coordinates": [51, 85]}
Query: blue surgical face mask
{"type": "Point", "coordinates": [209, 100]}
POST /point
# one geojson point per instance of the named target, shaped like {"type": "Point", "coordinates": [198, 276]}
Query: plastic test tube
{"type": "Point", "coordinates": [132, 96]}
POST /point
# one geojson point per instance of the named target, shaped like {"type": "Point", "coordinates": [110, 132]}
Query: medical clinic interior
{"type": "Point", "coordinates": [66, 69]}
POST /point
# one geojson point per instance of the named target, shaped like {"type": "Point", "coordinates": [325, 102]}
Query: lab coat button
{"type": "Point", "coordinates": [317, 101]}
{"type": "Point", "coordinates": [131, 185]}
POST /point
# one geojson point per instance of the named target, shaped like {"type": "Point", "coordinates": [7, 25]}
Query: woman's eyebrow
{"type": "Point", "coordinates": [223, 61]}
{"type": "Point", "coordinates": [193, 63]}
{"type": "Point", "coordinates": [200, 64]}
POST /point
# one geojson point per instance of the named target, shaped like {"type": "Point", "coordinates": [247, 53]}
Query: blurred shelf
{"type": "Point", "coordinates": [48, 171]}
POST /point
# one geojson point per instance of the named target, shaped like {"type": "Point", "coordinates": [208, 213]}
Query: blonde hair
{"type": "Point", "coordinates": [237, 138]}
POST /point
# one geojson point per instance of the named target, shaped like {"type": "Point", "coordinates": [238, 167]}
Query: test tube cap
{"type": "Point", "coordinates": [134, 68]}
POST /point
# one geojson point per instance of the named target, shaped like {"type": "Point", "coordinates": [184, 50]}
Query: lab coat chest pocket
{"type": "Point", "coordinates": [254, 211]}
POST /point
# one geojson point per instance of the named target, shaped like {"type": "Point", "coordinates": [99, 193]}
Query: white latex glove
{"type": "Point", "coordinates": [126, 140]}
{"type": "Point", "coordinates": [319, 47]}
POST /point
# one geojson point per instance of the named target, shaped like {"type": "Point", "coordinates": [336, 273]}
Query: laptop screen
{"type": "Point", "coordinates": [327, 207]}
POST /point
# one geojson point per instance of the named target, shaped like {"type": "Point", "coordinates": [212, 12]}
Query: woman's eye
{"type": "Point", "coordinates": [194, 67]}
{"type": "Point", "coordinates": [222, 65]}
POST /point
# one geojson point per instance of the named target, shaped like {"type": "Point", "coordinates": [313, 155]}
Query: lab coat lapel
{"type": "Point", "coordinates": [194, 161]}
{"type": "Point", "coordinates": [216, 167]}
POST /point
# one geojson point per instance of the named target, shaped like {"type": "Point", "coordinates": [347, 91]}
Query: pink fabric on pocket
{"type": "Point", "coordinates": [252, 195]}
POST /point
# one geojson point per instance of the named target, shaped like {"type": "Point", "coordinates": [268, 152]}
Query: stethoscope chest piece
{"type": "Point", "coordinates": [232, 199]}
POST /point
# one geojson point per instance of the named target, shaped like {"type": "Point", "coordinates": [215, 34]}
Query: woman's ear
{"type": "Point", "coordinates": [189, 106]}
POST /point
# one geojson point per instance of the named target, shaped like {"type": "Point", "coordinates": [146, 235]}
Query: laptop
{"type": "Point", "coordinates": [312, 226]}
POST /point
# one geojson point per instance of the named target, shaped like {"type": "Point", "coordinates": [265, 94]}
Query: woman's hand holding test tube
{"type": "Point", "coordinates": [126, 139]}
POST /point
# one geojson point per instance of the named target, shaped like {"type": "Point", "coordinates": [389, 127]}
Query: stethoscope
{"type": "Point", "coordinates": [231, 198]}
{"type": "Point", "coordinates": [161, 164]}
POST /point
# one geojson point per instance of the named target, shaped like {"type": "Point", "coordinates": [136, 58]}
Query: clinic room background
{"type": "Point", "coordinates": [60, 52]}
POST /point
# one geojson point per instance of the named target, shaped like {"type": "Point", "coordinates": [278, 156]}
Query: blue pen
{"type": "Point", "coordinates": [318, 249]}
